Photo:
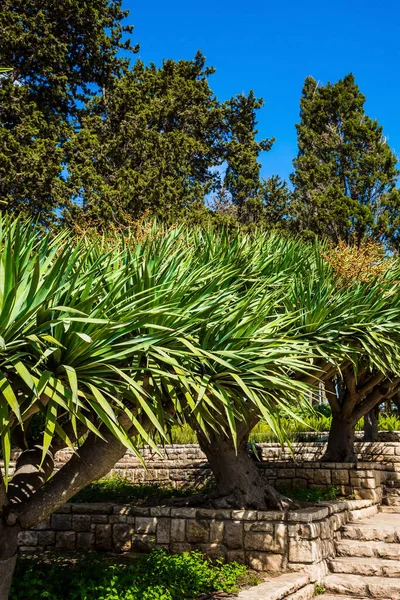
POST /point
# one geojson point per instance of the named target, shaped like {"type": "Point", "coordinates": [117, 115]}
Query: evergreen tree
{"type": "Point", "coordinates": [276, 199]}
{"type": "Point", "coordinates": [242, 178]}
{"type": "Point", "coordinates": [60, 54]}
{"type": "Point", "coordinates": [159, 142]}
{"type": "Point", "coordinates": [345, 172]}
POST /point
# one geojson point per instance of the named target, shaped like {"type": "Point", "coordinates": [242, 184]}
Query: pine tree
{"type": "Point", "coordinates": [159, 142]}
{"type": "Point", "coordinates": [60, 54]}
{"type": "Point", "coordinates": [345, 172]}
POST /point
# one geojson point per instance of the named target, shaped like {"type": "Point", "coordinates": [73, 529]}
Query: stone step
{"type": "Point", "coordinates": [368, 549]}
{"type": "Point", "coordinates": [381, 528]}
{"type": "Point", "coordinates": [360, 586]}
{"type": "Point", "coordinates": [375, 567]}
{"type": "Point", "coordinates": [391, 501]}
{"type": "Point", "coordinates": [337, 597]}
{"type": "Point", "coordinates": [391, 509]}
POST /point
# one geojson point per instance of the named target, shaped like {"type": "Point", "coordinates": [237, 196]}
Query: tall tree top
{"type": "Point", "coordinates": [345, 172]}
{"type": "Point", "coordinates": [63, 50]}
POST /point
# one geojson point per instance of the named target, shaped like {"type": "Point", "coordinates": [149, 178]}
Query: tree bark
{"type": "Point", "coordinates": [341, 440]}
{"type": "Point", "coordinates": [8, 556]}
{"type": "Point", "coordinates": [239, 483]}
{"type": "Point", "coordinates": [371, 430]}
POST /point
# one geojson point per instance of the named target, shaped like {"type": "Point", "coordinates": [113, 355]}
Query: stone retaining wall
{"type": "Point", "coordinates": [264, 540]}
{"type": "Point", "coordinates": [186, 465]}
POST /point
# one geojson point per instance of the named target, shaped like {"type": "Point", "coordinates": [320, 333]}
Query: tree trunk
{"type": "Point", "coordinates": [371, 430]}
{"type": "Point", "coordinates": [239, 483]}
{"type": "Point", "coordinates": [341, 440]}
{"type": "Point", "coordinates": [8, 557]}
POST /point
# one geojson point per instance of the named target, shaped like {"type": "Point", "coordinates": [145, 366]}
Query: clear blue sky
{"type": "Point", "coordinates": [271, 46]}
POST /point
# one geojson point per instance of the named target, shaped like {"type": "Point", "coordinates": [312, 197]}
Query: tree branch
{"type": "Point", "coordinates": [93, 460]}
{"type": "Point", "coordinates": [331, 395]}
{"type": "Point", "coordinates": [29, 474]}
{"type": "Point", "coordinates": [369, 385]}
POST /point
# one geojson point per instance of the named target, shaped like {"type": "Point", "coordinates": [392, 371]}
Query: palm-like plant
{"type": "Point", "coordinates": [108, 342]}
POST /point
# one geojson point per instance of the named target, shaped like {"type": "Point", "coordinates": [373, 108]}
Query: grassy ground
{"type": "Point", "coordinates": [156, 576]}
{"type": "Point", "coordinates": [120, 491]}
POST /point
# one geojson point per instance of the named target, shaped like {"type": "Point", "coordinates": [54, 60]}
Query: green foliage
{"type": "Point", "coordinates": [345, 171]}
{"type": "Point", "coordinates": [158, 141]}
{"type": "Point", "coordinates": [157, 576]}
{"type": "Point", "coordinates": [313, 494]}
{"type": "Point", "coordinates": [121, 491]}
{"type": "Point", "coordinates": [60, 54]}
{"type": "Point", "coordinates": [135, 334]}
{"type": "Point", "coordinates": [319, 590]}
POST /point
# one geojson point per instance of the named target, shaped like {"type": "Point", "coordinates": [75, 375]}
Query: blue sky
{"type": "Point", "coordinates": [271, 47]}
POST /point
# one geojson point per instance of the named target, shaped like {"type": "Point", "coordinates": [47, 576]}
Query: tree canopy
{"type": "Point", "coordinates": [345, 172]}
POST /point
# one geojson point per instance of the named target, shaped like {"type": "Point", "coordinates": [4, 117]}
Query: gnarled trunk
{"type": "Point", "coordinates": [341, 440]}
{"type": "Point", "coordinates": [371, 429]}
{"type": "Point", "coordinates": [8, 557]}
{"type": "Point", "coordinates": [239, 483]}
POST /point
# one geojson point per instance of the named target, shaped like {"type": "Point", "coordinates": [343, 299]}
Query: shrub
{"type": "Point", "coordinates": [157, 576]}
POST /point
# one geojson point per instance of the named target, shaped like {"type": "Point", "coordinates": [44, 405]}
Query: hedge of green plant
{"type": "Point", "coordinates": [157, 576]}
{"type": "Point", "coordinates": [295, 429]}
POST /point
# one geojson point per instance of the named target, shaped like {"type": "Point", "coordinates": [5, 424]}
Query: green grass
{"type": "Point", "coordinates": [121, 491]}
{"type": "Point", "coordinates": [313, 494]}
{"type": "Point", "coordinates": [156, 576]}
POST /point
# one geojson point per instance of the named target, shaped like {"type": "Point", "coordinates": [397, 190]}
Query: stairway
{"type": "Point", "coordinates": [367, 563]}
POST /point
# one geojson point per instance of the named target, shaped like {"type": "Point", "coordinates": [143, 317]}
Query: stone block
{"type": "Point", "coordinates": [184, 513]}
{"type": "Point", "coordinates": [305, 530]}
{"type": "Point", "coordinates": [163, 531]}
{"type": "Point", "coordinates": [214, 551]}
{"type": "Point", "coordinates": [266, 526]}
{"type": "Point", "coordinates": [178, 530]}
{"type": "Point", "coordinates": [304, 551]}
{"type": "Point", "coordinates": [65, 509]}
{"type": "Point", "coordinates": [197, 531]}
{"type": "Point", "coordinates": [103, 537]}
{"type": "Point", "coordinates": [61, 522]}
{"type": "Point", "coordinates": [122, 537]}
{"type": "Point", "coordinates": [97, 508]}
{"type": "Point", "coordinates": [47, 538]}
{"type": "Point", "coordinates": [258, 541]}
{"type": "Point", "coordinates": [308, 474]}
{"type": "Point", "coordinates": [84, 541]}
{"type": "Point", "coordinates": [216, 531]}
{"type": "Point", "coordinates": [270, 515]}
{"type": "Point", "coordinates": [246, 515]}
{"type": "Point", "coordinates": [340, 477]}
{"type": "Point", "coordinates": [81, 523]}
{"type": "Point", "coordinates": [142, 543]}
{"type": "Point", "coordinates": [160, 511]}
{"type": "Point", "coordinates": [132, 511]}
{"type": "Point", "coordinates": [146, 525]}
{"type": "Point", "coordinates": [28, 538]}
{"type": "Point", "coordinates": [307, 515]}
{"type": "Point", "coordinates": [233, 534]}
{"type": "Point", "coordinates": [235, 556]}
{"type": "Point", "coordinates": [113, 519]}
{"type": "Point", "coordinates": [262, 561]}
{"type": "Point", "coordinates": [322, 476]}
{"type": "Point", "coordinates": [99, 519]}
{"type": "Point", "coordinates": [66, 540]}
